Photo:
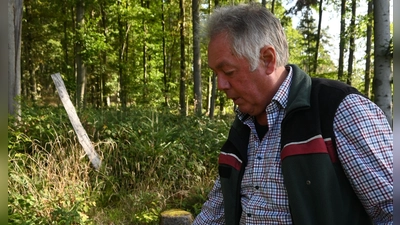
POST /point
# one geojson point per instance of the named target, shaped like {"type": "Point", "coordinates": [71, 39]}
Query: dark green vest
{"type": "Point", "coordinates": [318, 190]}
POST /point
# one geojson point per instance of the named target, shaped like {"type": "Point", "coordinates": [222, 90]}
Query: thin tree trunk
{"type": "Point", "coordinates": [80, 65]}
{"type": "Point", "coordinates": [367, 77]}
{"type": "Point", "coordinates": [213, 95]}
{"type": "Point", "coordinates": [182, 83]}
{"type": "Point", "coordinates": [352, 42]}
{"type": "Point", "coordinates": [165, 77]}
{"type": "Point", "coordinates": [318, 38]}
{"type": "Point", "coordinates": [382, 64]}
{"type": "Point", "coordinates": [66, 71]}
{"type": "Point", "coordinates": [209, 88]}
{"type": "Point", "coordinates": [145, 56]}
{"type": "Point", "coordinates": [14, 56]}
{"type": "Point", "coordinates": [122, 81]}
{"type": "Point", "coordinates": [196, 57]}
{"type": "Point", "coordinates": [342, 39]}
{"type": "Point", "coordinates": [272, 6]}
{"type": "Point", "coordinates": [103, 77]}
{"type": "Point", "coordinates": [214, 78]}
{"type": "Point", "coordinates": [31, 87]}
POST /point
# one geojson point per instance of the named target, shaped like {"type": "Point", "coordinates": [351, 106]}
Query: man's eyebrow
{"type": "Point", "coordinates": [221, 64]}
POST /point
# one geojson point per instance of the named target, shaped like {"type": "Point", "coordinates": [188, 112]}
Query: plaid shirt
{"type": "Point", "coordinates": [364, 145]}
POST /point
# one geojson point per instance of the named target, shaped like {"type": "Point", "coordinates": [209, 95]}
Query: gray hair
{"type": "Point", "coordinates": [249, 27]}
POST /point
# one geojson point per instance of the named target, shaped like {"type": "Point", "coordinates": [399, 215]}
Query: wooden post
{"type": "Point", "coordinates": [76, 123]}
{"type": "Point", "coordinates": [176, 217]}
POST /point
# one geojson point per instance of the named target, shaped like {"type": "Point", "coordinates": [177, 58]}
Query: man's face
{"type": "Point", "coordinates": [248, 89]}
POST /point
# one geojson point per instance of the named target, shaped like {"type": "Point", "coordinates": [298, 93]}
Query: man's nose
{"type": "Point", "coordinates": [222, 82]}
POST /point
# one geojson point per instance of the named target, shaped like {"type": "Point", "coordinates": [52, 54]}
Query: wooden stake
{"type": "Point", "coordinates": [76, 123]}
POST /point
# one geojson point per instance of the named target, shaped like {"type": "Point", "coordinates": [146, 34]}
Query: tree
{"type": "Point", "coordinates": [318, 37]}
{"type": "Point", "coordinates": [383, 60]}
{"type": "Point", "coordinates": [196, 57]}
{"type": "Point", "coordinates": [352, 46]}
{"type": "Point", "coordinates": [14, 56]}
{"type": "Point", "coordinates": [308, 30]}
{"type": "Point", "coordinates": [342, 41]}
{"type": "Point", "coordinates": [367, 77]}
{"type": "Point", "coordinates": [80, 69]}
{"type": "Point", "coordinates": [182, 81]}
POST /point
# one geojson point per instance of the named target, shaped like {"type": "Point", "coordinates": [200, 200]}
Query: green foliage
{"type": "Point", "coordinates": [151, 161]}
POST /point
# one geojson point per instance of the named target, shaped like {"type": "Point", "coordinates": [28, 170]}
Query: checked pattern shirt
{"type": "Point", "coordinates": [364, 145]}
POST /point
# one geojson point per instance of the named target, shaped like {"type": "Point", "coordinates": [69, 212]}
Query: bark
{"type": "Point", "coordinates": [196, 57]}
{"type": "Point", "coordinates": [352, 45]}
{"type": "Point", "coordinates": [318, 38]}
{"type": "Point", "coordinates": [182, 83]}
{"type": "Point", "coordinates": [342, 39]}
{"type": "Point", "coordinates": [383, 60]}
{"type": "Point", "coordinates": [145, 55]}
{"type": "Point", "coordinates": [64, 42]}
{"type": "Point", "coordinates": [103, 77]}
{"type": "Point", "coordinates": [213, 96]}
{"type": "Point", "coordinates": [367, 77]}
{"type": "Point", "coordinates": [165, 77]}
{"type": "Point", "coordinates": [273, 6]}
{"type": "Point", "coordinates": [14, 56]}
{"type": "Point", "coordinates": [31, 88]}
{"type": "Point", "coordinates": [80, 65]}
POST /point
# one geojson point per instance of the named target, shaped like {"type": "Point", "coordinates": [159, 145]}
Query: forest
{"type": "Point", "coordinates": [137, 74]}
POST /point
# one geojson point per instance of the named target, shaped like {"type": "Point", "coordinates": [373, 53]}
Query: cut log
{"type": "Point", "coordinates": [176, 217]}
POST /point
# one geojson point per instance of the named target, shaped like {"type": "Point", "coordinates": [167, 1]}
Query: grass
{"type": "Point", "coordinates": [151, 162]}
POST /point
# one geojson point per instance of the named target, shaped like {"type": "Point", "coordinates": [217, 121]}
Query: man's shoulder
{"type": "Point", "coordinates": [332, 87]}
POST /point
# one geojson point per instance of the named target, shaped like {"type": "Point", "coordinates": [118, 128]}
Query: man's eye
{"type": "Point", "coordinates": [228, 72]}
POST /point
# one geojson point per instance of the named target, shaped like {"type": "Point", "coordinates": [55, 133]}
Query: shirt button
{"type": "Point", "coordinates": [248, 215]}
{"type": "Point", "coordinates": [259, 157]}
{"type": "Point", "coordinates": [308, 182]}
{"type": "Point", "coordinates": [257, 187]}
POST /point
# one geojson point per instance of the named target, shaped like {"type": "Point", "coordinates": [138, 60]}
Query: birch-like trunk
{"type": "Point", "coordinates": [383, 61]}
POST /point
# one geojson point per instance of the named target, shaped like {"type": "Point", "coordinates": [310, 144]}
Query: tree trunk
{"type": "Point", "coordinates": [382, 64]}
{"type": "Point", "coordinates": [14, 56]}
{"type": "Point", "coordinates": [196, 57]}
{"type": "Point", "coordinates": [273, 6]}
{"type": "Point", "coordinates": [182, 83]}
{"type": "Point", "coordinates": [103, 77]}
{"type": "Point", "coordinates": [80, 65]}
{"type": "Point", "coordinates": [318, 38]}
{"type": "Point", "coordinates": [342, 39]}
{"type": "Point", "coordinates": [145, 4]}
{"type": "Point", "coordinates": [165, 77]}
{"type": "Point", "coordinates": [367, 77]}
{"type": "Point", "coordinates": [209, 88]}
{"type": "Point", "coordinates": [213, 95]}
{"type": "Point", "coordinates": [121, 72]}
{"type": "Point", "coordinates": [352, 45]}
{"type": "Point", "coordinates": [31, 87]}
{"type": "Point", "coordinates": [65, 70]}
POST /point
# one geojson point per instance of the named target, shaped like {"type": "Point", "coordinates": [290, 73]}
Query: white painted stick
{"type": "Point", "coordinates": [76, 123]}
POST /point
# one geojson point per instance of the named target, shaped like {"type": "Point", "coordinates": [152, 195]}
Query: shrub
{"type": "Point", "coordinates": [151, 161]}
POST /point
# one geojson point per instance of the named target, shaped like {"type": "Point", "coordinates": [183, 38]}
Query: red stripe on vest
{"type": "Point", "coordinates": [311, 146]}
{"type": "Point", "coordinates": [229, 159]}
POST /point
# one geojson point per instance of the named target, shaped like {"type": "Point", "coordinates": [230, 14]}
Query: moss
{"type": "Point", "coordinates": [175, 213]}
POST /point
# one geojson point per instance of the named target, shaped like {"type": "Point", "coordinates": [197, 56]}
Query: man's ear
{"type": "Point", "coordinates": [268, 58]}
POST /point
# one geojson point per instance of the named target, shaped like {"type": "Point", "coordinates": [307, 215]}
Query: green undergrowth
{"type": "Point", "coordinates": [151, 161]}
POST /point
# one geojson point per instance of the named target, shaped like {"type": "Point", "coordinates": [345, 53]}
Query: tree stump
{"type": "Point", "coordinates": [176, 217]}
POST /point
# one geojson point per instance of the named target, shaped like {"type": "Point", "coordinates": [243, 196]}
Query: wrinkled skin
{"type": "Point", "coordinates": [252, 91]}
